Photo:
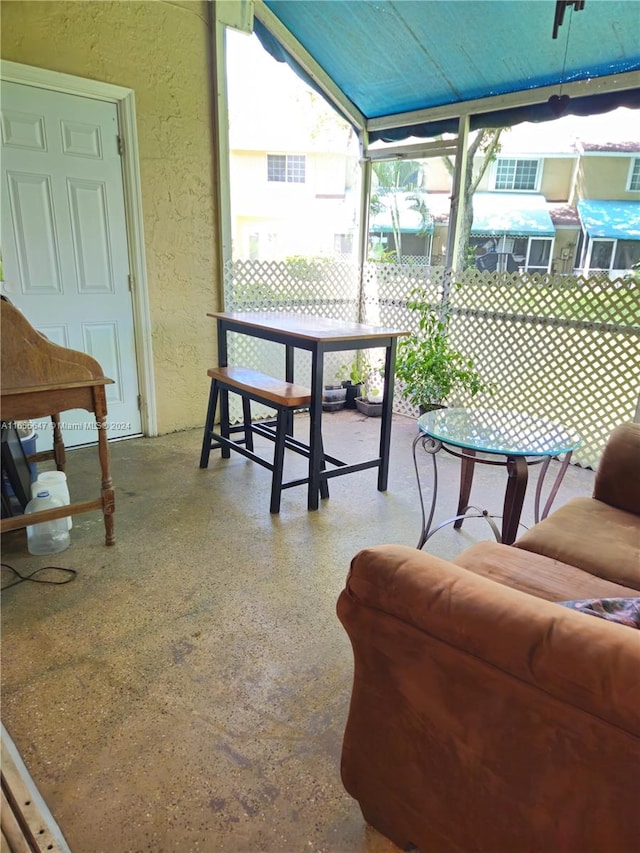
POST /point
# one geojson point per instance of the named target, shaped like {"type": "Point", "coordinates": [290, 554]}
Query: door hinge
{"type": "Point", "coordinates": [131, 281]}
{"type": "Point", "coordinates": [120, 145]}
{"type": "Point", "coordinates": [139, 402]}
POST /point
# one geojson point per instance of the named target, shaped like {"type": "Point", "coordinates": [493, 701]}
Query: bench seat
{"type": "Point", "coordinates": [284, 397]}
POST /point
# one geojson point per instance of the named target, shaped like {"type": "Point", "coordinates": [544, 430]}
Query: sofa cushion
{"type": "Point", "coordinates": [592, 535]}
{"type": "Point", "coordinates": [618, 476]}
{"type": "Point", "coordinates": [405, 599]}
{"type": "Point", "coordinates": [625, 611]}
{"type": "Point", "coordinates": [541, 576]}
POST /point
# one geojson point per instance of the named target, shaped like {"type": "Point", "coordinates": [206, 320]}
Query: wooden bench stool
{"type": "Point", "coordinates": [284, 397]}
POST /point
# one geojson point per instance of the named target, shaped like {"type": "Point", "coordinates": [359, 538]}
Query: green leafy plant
{"type": "Point", "coordinates": [374, 385]}
{"type": "Point", "coordinates": [429, 368]}
{"type": "Point", "coordinates": [356, 371]}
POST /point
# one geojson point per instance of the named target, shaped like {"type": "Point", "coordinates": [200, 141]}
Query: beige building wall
{"type": "Point", "coordinates": [564, 250]}
{"type": "Point", "coordinates": [556, 179]}
{"type": "Point", "coordinates": [158, 49]}
{"type": "Point", "coordinates": [604, 176]}
{"type": "Point", "coordinates": [557, 175]}
{"type": "Point", "coordinates": [437, 177]}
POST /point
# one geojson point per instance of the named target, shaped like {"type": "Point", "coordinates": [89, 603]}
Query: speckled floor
{"type": "Point", "coordinates": [188, 690]}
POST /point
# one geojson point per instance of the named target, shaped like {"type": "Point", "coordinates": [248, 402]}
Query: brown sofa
{"type": "Point", "coordinates": [486, 717]}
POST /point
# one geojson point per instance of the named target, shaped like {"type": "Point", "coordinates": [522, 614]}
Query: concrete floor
{"type": "Point", "coordinates": [188, 690]}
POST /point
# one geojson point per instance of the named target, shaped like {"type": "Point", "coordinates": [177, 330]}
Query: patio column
{"type": "Point", "coordinates": [363, 220]}
{"type": "Point", "coordinates": [221, 16]}
{"type": "Point", "coordinates": [457, 202]}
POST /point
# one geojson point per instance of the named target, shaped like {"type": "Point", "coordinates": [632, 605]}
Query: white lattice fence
{"type": "Point", "coordinates": [562, 348]}
{"type": "Point", "coordinates": [325, 288]}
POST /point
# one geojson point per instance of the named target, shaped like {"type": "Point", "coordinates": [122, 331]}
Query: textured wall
{"type": "Point", "coordinates": [158, 49]}
{"type": "Point", "coordinates": [606, 177]}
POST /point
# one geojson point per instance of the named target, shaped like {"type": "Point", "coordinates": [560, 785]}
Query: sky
{"type": "Point", "coordinates": [266, 96]}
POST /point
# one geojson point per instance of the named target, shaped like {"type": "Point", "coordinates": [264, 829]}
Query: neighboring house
{"type": "Point", "coordinates": [292, 162]}
{"type": "Point", "coordinates": [550, 202]}
{"type": "Point", "coordinates": [401, 212]}
{"type": "Point", "coordinates": [160, 52]}
{"type": "Point", "coordinates": [555, 202]}
{"type": "Point", "coordinates": [285, 203]}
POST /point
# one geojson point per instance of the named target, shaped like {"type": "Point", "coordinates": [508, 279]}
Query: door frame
{"type": "Point", "coordinates": [124, 99]}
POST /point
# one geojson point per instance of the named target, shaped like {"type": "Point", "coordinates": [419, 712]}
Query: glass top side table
{"type": "Point", "coordinates": [520, 439]}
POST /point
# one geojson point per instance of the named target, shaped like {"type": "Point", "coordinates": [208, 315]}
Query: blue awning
{"type": "Point", "coordinates": [517, 214]}
{"type": "Point", "coordinates": [616, 220]}
{"type": "Point", "coordinates": [396, 61]}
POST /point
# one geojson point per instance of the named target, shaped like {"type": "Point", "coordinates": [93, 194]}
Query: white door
{"type": "Point", "coordinates": [64, 240]}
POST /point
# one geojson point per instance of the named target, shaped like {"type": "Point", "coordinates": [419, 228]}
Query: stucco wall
{"type": "Point", "coordinates": [557, 173]}
{"type": "Point", "coordinates": [159, 50]}
{"type": "Point", "coordinates": [606, 177]}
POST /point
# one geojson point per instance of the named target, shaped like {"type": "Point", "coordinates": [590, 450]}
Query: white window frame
{"type": "Point", "coordinates": [592, 242]}
{"type": "Point", "coordinates": [634, 172]}
{"type": "Point", "coordinates": [527, 268]}
{"type": "Point", "coordinates": [538, 160]}
{"type": "Point", "coordinates": [505, 245]}
{"type": "Point", "coordinates": [287, 178]}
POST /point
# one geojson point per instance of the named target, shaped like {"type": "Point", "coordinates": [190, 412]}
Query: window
{"type": "Point", "coordinates": [539, 255]}
{"type": "Point", "coordinates": [516, 174]}
{"type": "Point", "coordinates": [601, 254]}
{"type": "Point", "coordinates": [286, 168]}
{"type": "Point", "coordinates": [627, 254]}
{"type": "Point", "coordinates": [634, 176]}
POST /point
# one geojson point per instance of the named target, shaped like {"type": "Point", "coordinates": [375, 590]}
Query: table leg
{"type": "Point", "coordinates": [467, 467]}
{"type": "Point", "coordinates": [107, 491]}
{"type": "Point", "coordinates": [554, 489]}
{"type": "Point", "coordinates": [289, 363]}
{"type": "Point", "coordinates": [315, 429]}
{"type": "Point", "coordinates": [387, 415]}
{"type": "Point", "coordinates": [518, 472]}
{"type": "Point", "coordinates": [58, 444]}
{"type": "Point", "coordinates": [223, 395]}
{"type": "Point", "coordinates": [430, 446]}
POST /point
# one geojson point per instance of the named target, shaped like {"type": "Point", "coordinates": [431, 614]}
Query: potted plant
{"type": "Point", "coordinates": [334, 397]}
{"type": "Point", "coordinates": [428, 367]}
{"type": "Point", "coordinates": [357, 374]}
{"type": "Point", "coordinates": [370, 402]}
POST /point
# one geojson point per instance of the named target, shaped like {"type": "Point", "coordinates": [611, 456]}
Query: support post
{"type": "Point", "coordinates": [363, 221]}
{"type": "Point", "coordinates": [457, 205]}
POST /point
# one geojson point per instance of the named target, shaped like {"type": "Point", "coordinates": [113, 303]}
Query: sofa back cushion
{"type": "Point", "coordinates": [618, 476]}
{"type": "Point", "coordinates": [592, 535]}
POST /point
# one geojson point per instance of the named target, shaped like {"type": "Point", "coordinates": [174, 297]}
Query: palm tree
{"type": "Point", "coordinates": [397, 180]}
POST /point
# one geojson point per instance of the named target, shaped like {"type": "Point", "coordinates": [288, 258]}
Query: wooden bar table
{"type": "Point", "coordinates": [320, 335]}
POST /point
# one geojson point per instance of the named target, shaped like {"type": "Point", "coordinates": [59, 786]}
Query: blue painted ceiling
{"type": "Point", "coordinates": [396, 56]}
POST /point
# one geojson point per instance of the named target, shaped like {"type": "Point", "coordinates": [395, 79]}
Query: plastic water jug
{"type": "Point", "coordinates": [47, 537]}
{"type": "Point", "coordinates": [55, 482]}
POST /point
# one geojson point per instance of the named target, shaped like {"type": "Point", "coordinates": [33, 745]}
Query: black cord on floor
{"type": "Point", "coordinates": [67, 575]}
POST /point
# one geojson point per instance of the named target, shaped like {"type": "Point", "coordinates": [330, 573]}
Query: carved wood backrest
{"type": "Point", "coordinates": [29, 359]}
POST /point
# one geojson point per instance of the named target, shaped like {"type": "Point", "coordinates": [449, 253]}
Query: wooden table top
{"type": "Point", "coordinates": [308, 327]}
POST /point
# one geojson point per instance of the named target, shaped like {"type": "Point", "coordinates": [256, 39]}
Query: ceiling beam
{"type": "Point", "coordinates": [411, 150]}
{"type": "Point", "coordinates": [527, 97]}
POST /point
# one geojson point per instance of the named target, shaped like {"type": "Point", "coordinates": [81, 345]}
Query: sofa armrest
{"type": "Point", "coordinates": [618, 477]}
{"type": "Point", "coordinates": [580, 660]}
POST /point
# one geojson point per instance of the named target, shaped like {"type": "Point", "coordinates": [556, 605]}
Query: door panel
{"type": "Point", "coordinates": [64, 239]}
